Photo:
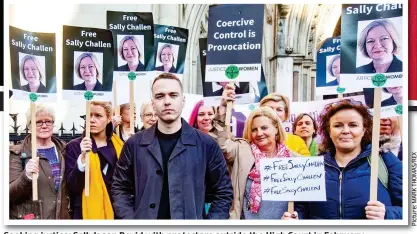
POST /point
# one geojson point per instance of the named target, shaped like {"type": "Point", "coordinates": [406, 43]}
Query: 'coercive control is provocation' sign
{"type": "Point", "coordinates": [234, 42]}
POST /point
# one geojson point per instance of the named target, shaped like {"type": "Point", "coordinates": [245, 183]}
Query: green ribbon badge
{"type": "Point", "coordinates": [88, 95]}
{"type": "Point", "coordinates": [399, 109]}
{"type": "Point", "coordinates": [232, 72]}
{"type": "Point", "coordinates": [131, 76]}
{"type": "Point", "coordinates": [340, 89]}
{"type": "Point", "coordinates": [379, 80]}
{"type": "Point", "coordinates": [33, 97]}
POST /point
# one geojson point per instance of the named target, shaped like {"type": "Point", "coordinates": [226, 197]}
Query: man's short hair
{"type": "Point", "coordinates": [167, 76]}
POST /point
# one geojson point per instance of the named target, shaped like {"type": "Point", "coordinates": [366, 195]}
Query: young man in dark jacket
{"type": "Point", "coordinates": [164, 171]}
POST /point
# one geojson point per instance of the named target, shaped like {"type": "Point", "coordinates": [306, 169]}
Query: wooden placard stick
{"type": "Point", "coordinates": [290, 207]}
{"type": "Point", "coordinates": [132, 106]}
{"type": "Point", "coordinates": [87, 156]}
{"type": "Point", "coordinates": [34, 151]}
{"type": "Point", "coordinates": [340, 92]}
{"type": "Point", "coordinates": [375, 145]}
{"type": "Point", "coordinates": [229, 115]}
{"type": "Point", "coordinates": [132, 77]}
{"type": "Point", "coordinates": [116, 107]}
{"type": "Point", "coordinates": [400, 125]}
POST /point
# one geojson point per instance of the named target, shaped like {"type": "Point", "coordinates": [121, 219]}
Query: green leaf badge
{"type": "Point", "coordinates": [399, 109]}
{"type": "Point", "coordinates": [379, 80]}
{"type": "Point", "coordinates": [232, 72]}
{"type": "Point", "coordinates": [251, 107]}
{"type": "Point", "coordinates": [131, 76]}
{"type": "Point", "coordinates": [88, 95]}
{"type": "Point", "coordinates": [33, 97]}
{"type": "Point", "coordinates": [340, 89]}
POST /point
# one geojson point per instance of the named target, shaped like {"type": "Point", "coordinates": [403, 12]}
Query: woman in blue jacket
{"type": "Point", "coordinates": [346, 129]}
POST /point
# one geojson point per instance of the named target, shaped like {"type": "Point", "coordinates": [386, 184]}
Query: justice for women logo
{"type": "Point", "coordinates": [232, 72]}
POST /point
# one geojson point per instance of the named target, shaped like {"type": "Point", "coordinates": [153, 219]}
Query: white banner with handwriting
{"type": "Point", "coordinates": [293, 179]}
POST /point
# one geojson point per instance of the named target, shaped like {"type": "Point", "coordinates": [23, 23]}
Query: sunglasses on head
{"type": "Point", "coordinates": [344, 101]}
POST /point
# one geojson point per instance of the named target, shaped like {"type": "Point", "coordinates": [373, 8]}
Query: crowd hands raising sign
{"type": "Point", "coordinates": [278, 161]}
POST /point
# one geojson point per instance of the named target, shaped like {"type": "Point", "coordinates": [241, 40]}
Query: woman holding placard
{"type": "Point", "coordinates": [103, 150]}
{"type": "Point", "coordinates": [380, 42]}
{"type": "Point", "coordinates": [33, 72]}
{"type": "Point", "coordinates": [305, 127]}
{"type": "Point", "coordinates": [166, 57]}
{"type": "Point", "coordinates": [281, 104]}
{"type": "Point", "coordinates": [49, 165]}
{"type": "Point", "coordinates": [346, 130]}
{"type": "Point", "coordinates": [88, 69]}
{"type": "Point", "coordinates": [263, 137]}
{"type": "Point", "coordinates": [130, 51]}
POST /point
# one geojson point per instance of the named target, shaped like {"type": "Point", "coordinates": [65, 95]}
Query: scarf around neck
{"type": "Point", "coordinates": [255, 196]}
{"type": "Point", "coordinates": [313, 148]}
{"type": "Point", "coordinates": [98, 205]}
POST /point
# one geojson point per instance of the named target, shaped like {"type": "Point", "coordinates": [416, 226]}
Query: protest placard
{"type": "Point", "coordinates": [87, 71]}
{"type": "Point", "coordinates": [33, 72]}
{"type": "Point", "coordinates": [246, 92]}
{"type": "Point", "coordinates": [234, 42]}
{"type": "Point", "coordinates": [293, 179]}
{"type": "Point", "coordinates": [33, 64]}
{"type": "Point", "coordinates": [371, 44]}
{"type": "Point", "coordinates": [170, 48]}
{"type": "Point", "coordinates": [133, 41]}
{"type": "Point", "coordinates": [328, 69]}
{"type": "Point", "coordinates": [133, 35]}
{"type": "Point", "coordinates": [372, 58]}
{"type": "Point", "coordinates": [87, 63]}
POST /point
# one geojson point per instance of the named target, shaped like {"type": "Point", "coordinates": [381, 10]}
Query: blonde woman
{"type": "Point", "coordinates": [281, 105]}
{"type": "Point", "coordinates": [103, 148]}
{"type": "Point", "coordinates": [263, 137]}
